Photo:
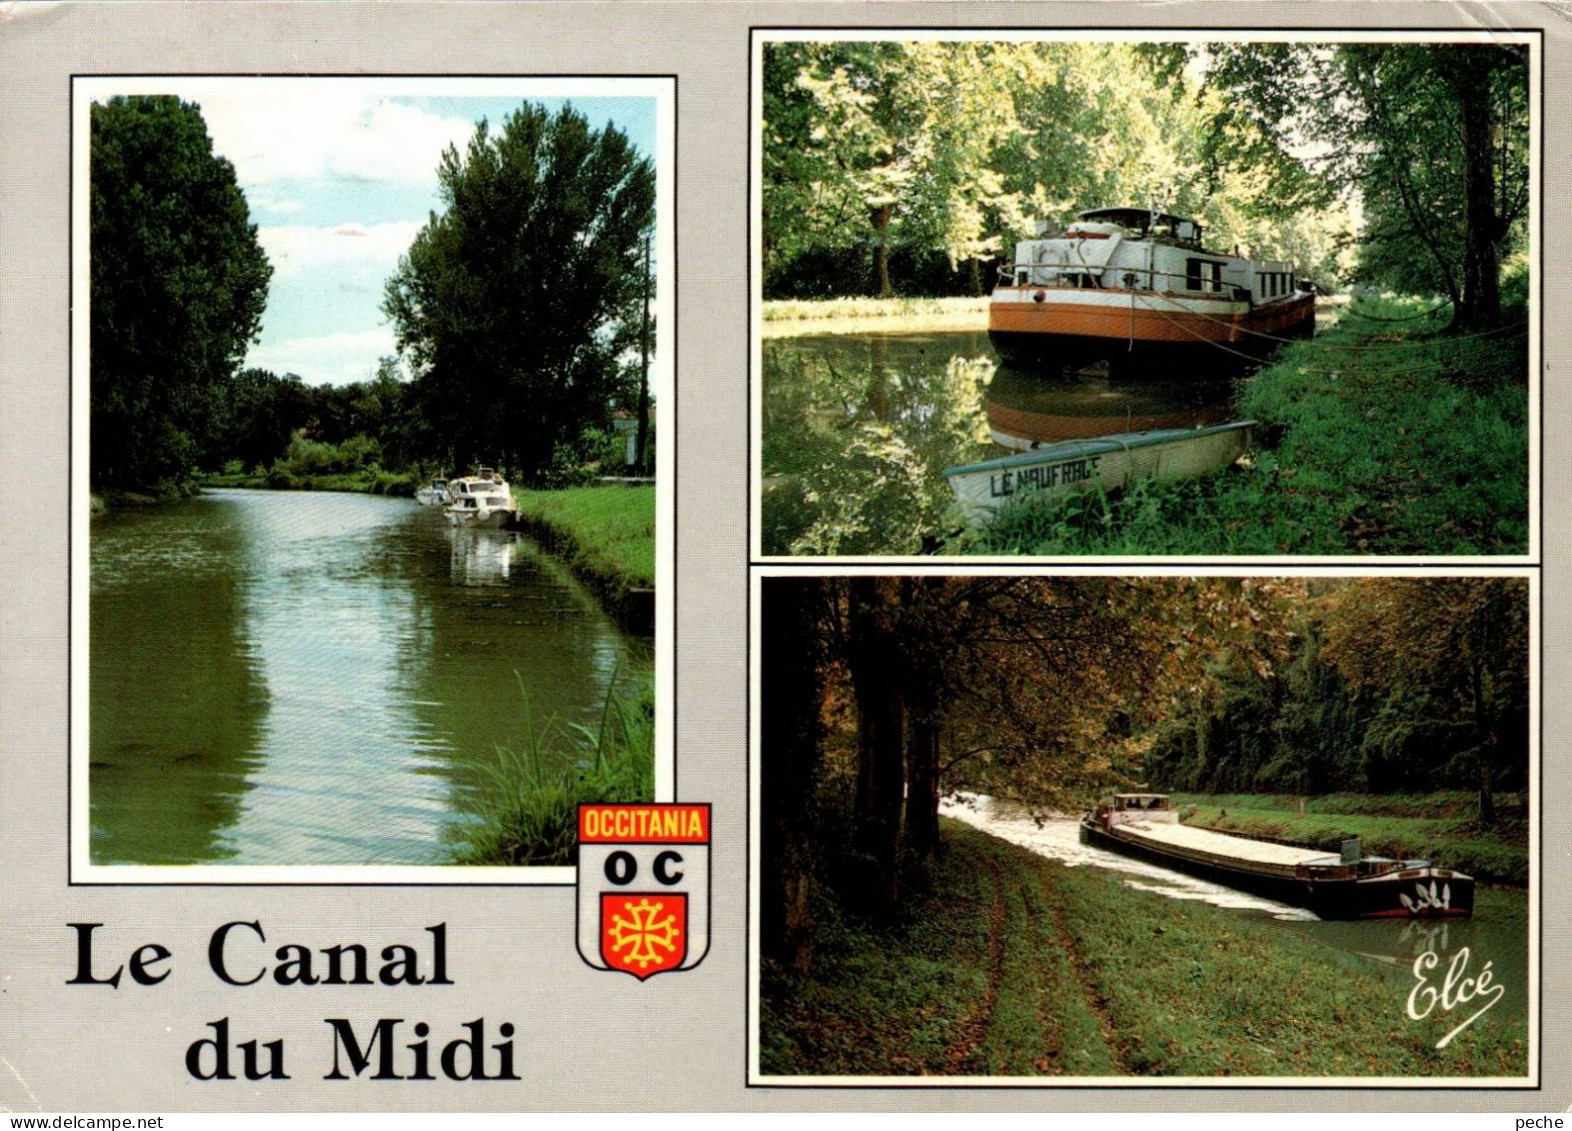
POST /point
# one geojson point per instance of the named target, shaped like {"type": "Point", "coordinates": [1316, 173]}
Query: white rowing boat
{"type": "Point", "coordinates": [1108, 462]}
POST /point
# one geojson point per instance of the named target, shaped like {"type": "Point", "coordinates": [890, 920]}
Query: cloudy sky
{"type": "Point", "coordinates": [340, 174]}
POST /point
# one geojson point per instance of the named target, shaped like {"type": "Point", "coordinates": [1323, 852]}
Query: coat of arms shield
{"type": "Point", "coordinates": [644, 887]}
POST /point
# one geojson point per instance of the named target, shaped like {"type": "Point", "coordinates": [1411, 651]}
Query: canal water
{"type": "Point", "coordinates": [1497, 932]}
{"type": "Point", "coordinates": [321, 678]}
{"type": "Point", "coordinates": [859, 428]}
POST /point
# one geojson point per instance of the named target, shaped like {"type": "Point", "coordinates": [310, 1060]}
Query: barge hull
{"type": "Point", "coordinates": [1404, 894]}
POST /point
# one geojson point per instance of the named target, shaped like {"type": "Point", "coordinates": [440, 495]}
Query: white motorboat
{"type": "Point", "coordinates": [482, 499]}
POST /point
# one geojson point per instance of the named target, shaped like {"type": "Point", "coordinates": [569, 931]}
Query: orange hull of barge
{"type": "Point", "coordinates": [1024, 326]}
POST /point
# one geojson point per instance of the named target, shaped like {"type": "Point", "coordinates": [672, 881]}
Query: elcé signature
{"type": "Point", "coordinates": [1455, 990]}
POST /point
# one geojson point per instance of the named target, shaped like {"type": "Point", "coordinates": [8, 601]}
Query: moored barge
{"type": "Point", "coordinates": [1124, 284]}
{"type": "Point", "coordinates": [1348, 885]}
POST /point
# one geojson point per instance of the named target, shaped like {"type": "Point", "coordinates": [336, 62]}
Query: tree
{"type": "Point", "coordinates": [881, 145]}
{"type": "Point", "coordinates": [1452, 646]}
{"type": "Point", "coordinates": [262, 412]}
{"type": "Point", "coordinates": [793, 666]}
{"type": "Point", "coordinates": [179, 283]}
{"type": "Point", "coordinates": [1031, 689]}
{"type": "Point", "coordinates": [518, 305]}
{"type": "Point", "coordinates": [1432, 137]}
{"type": "Point", "coordinates": [939, 155]}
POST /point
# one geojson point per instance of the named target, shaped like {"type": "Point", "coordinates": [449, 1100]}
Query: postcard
{"type": "Point", "coordinates": [780, 558]}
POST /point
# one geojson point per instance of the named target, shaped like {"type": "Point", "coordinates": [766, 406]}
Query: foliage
{"type": "Point", "coordinates": [1393, 684]}
{"type": "Point", "coordinates": [859, 469]}
{"type": "Point", "coordinates": [519, 306]}
{"type": "Point", "coordinates": [529, 816]}
{"type": "Point", "coordinates": [1015, 965]}
{"type": "Point", "coordinates": [1453, 648]}
{"type": "Point", "coordinates": [1036, 689]}
{"type": "Point", "coordinates": [1431, 138]}
{"type": "Point", "coordinates": [262, 412]}
{"type": "Point", "coordinates": [911, 167]}
{"type": "Point", "coordinates": [178, 284]}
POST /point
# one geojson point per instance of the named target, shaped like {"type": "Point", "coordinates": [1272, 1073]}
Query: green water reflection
{"type": "Point", "coordinates": [1497, 934]}
{"type": "Point", "coordinates": [301, 678]}
{"type": "Point", "coordinates": [859, 428]}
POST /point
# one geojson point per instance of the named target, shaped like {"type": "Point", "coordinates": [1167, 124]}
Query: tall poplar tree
{"type": "Point", "coordinates": [179, 282]}
{"type": "Point", "coordinates": [519, 304]}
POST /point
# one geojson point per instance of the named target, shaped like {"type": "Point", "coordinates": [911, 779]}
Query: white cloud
{"type": "Point", "coordinates": [269, 204]}
{"type": "Point", "coordinates": [309, 129]}
{"type": "Point", "coordinates": [336, 359]}
{"type": "Point", "coordinates": [296, 247]}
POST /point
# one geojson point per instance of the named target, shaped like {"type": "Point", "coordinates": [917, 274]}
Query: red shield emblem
{"type": "Point", "coordinates": [644, 886]}
{"type": "Point", "coordinates": [644, 933]}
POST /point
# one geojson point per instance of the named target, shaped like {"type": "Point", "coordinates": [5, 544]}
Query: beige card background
{"type": "Point", "coordinates": [585, 1039]}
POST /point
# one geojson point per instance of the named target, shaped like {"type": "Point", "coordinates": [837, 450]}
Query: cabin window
{"type": "Point", "coordinates": [1203, 274]}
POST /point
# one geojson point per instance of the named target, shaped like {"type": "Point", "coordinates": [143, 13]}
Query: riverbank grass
{"type": "Point", "coordinates": [605, 534]}
{"type": "Point", "coordinates": [1015, 965]}
{"type": "Point", "coordinates": [1380, 436]}
{"type": "Point", "coordinates": [529, 811]}
{"type": "Point", "coordinates": [1442, 828]}
{"type": "Point", "coordinates": [368, 481]}
{"type": "Point", "coordinates": [791, 318]}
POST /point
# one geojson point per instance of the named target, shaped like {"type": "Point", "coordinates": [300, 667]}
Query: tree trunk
{"type": "Point", "coordinates": [1484, 737]}
{"type": "Point", "coordinates": [1467, 71]}
{"type": "Point", "coordinates": [922, 784]}
{"type": "Point", "coordinates": [873, 664]}
{"type": "Point", "coordinates": [793, 681]}
{"type": "Point", "coordinates": [1487, 799]}
{"type": "Point", "coordinates": [881, 248]}
{"type": "Point", "coordinates": [641, 444]}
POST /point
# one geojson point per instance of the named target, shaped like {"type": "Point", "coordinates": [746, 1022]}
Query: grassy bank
{"type": "Point", "coordinates": [100, 502]}
{"type": "Point", "coordinates": [786, 318]}
{"type": "Point", "coordinates": [605, 534]}
{"type": "Point", "coordinates": [1441, 827]}
{"type": "Point", "coordinates": [529, 813]}
{"type": "Point", "coordinates": [1378, 437]}
{"type": "Point", "coordinates": [1016, 965]}
{"type": "Point", "coordinates": [371, 481]}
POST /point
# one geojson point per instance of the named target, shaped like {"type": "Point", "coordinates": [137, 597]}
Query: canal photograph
{"type": "Point", "coordinates": [1114, 295]}
{"type": "Point", "coordinates": [1145, 827]}
{"type": "Point", "coordinates": [372, 530]}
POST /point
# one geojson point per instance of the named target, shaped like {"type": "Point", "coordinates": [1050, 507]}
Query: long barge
{"type": "Point", "coordinates": [1347, 885]}
{"type": "Point", "coordinates": [1123, 285]}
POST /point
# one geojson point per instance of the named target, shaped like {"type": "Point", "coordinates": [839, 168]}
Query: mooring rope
{"type": "Point", "coordinates": [1327, 372]}
{"type": "Point", "coordinates": [1336, 345]}
{"type": "Point", "coordinates": [1442, 305]}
